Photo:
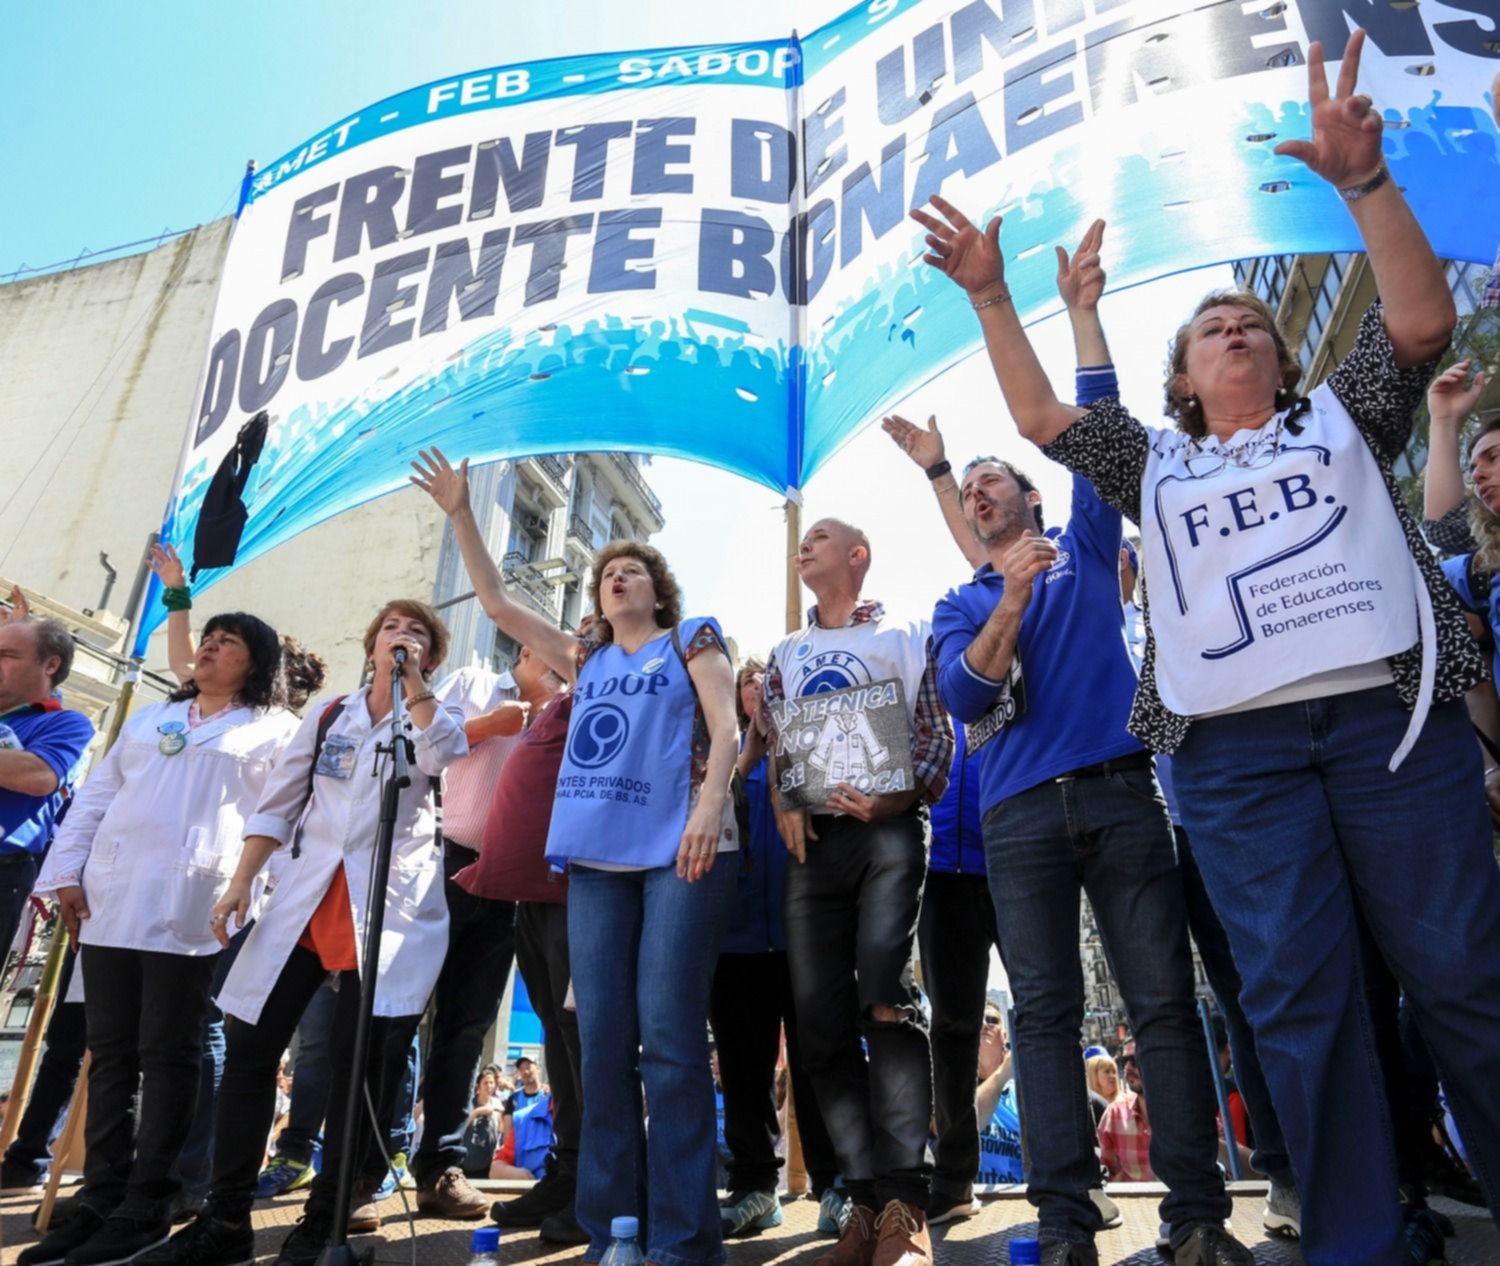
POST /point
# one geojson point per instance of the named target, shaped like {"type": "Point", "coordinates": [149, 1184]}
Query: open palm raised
{"type": "Point", "coordinates": [956, 246]}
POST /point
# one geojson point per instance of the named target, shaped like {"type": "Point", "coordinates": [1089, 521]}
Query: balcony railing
{"type": "Point", "coordinates": [556, 465]}
{"type": "Point", "coordinates": [518, 571]}
{"type": "Point", "coordinates": [580, 531]}
{"type": "Point", "coordinates": [632, 473]}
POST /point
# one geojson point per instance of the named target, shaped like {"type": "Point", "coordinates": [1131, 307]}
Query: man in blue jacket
{"type": "Point", "coordinates": [1032, 658]}
{"type": "Point", "coordinates": [41, 749]}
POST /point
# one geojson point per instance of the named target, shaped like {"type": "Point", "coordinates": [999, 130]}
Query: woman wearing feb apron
{"type": "Point", "coordinates": [639, 816]}
{"type": "Point", "coordinates": [323, 802]}
{"type": "Point", "coordinates": [1305, 666]}
{"type": "Point", "coordinates": [146, 850]}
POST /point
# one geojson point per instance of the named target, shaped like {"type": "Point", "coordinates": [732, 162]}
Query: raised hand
{"type": "Point", "coordinates": [167, 566]}
{"type": "Point", "coordinates": [1345, 145]}
{"type": "Point", "coordinates": [19, 609]}
{"type": "Point", "coordinates": [1449, 400]}
{"type": "Point", "coordinates": [923, 447]}
{"type": "Point", "coordinates": [1080, 279]}
{"type": "Point", "coordinates": [448, 486]}
{"type": "Point", "coordinates": [958, 249]}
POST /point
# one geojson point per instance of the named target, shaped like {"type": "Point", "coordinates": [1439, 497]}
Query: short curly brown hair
{"type": "Point", "coordinates": [668, 593]}
{"type": "Point", "coordinates": [748, 669]}
{"type": "Point", "coordinates": [1184, 409]}
{"type": "Point", "coordinates": [421, 612]}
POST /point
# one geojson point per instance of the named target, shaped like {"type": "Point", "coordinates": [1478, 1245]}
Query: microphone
{"type": "Point", "coordinates": [400, 657]}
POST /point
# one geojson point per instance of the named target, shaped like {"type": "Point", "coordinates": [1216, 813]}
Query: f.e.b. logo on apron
{"type": "Point", "coordinates": [597, 735]}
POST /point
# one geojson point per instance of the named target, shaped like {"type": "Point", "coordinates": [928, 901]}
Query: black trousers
{"type": "Point", "coordinates": [247, 1094]}
{"type": "Point", "coordinates": [752, 999]}
{"type": "Point", "coordinates": [543, 961]}
{"type": "Point", "coordinates": [957, 930]}
{"type": "Point", "coordinates": [851, 923]}
{"type": "Point", "coordinates": [464, 1005]}
{"type": "Point", "coordinates": [144, 1012]}
{"type": "Point", "coordinates": [52, 1092]}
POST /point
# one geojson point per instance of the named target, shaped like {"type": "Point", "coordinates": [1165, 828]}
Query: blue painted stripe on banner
{"type": "Point", "coordinates": [752, 64]}
{"type": "Point", "coordinates": [835, 38]}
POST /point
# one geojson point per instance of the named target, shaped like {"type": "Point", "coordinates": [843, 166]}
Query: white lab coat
{"type": "Point", "coordinates": [337, 827]}
{"type": "Point", "coordinates": [154, 838]}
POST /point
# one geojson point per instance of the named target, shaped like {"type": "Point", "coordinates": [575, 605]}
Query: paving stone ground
{"type": "Point", "coordinates": [979, 1241]}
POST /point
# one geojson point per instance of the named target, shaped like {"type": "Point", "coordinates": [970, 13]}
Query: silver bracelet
{"type": "Point", "coordinates": [1002, 297]}
{"type": "Point", "coordinates": [1355, 192]}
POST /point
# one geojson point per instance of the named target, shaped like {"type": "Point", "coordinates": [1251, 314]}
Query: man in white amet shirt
{"type": "Point", "coordinates": [481, 942]}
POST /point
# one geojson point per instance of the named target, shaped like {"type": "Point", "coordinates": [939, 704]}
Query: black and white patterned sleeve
{"type": "Point", "coordinates": [1107, 447]}
{"type": "Point", "coordinates": [1451, 534]}
{"type": "Point", "coordinates": [1381, 397]}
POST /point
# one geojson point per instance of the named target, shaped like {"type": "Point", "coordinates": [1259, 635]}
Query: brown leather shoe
{"type": "Point", "coordinates": [903, 1238]}
{"type": "Point", "coordinates": [452, 1196]}
{"type": "Point", "coordinates": [364, 1209]}
{"type": "Point", "coordinates": [856, 1246]}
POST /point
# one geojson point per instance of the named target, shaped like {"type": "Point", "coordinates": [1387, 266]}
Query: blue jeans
{"type": "Point", "coordinates": [1109, 837]}
{"type": "Point", "coordinates": [1270, 1156]}
{"type": "Point", "coordinates": [1296, 821]}
{"type": "Point", "coordinates": [643, 945]}
{"type": "Point", "coordinates": [312, 1077]}
{"type": "Point", "coordinates": [481, 944]}
{"type": "Point", "coordinates": [403, 1124]}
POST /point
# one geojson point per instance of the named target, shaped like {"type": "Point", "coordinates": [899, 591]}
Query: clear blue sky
{"type": "Point", "coordinates": [124, 119]}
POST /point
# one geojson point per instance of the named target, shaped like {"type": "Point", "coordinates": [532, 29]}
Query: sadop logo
{"type": "Point", "coordinates": [598, 734]}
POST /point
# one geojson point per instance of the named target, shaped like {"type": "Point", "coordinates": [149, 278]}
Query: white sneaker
{"type": "Point", "coordinates": [1283, 1215]}
{"type": "Point", "coordinates": [1108, 1209]}
{"type": "Point", "coordinates": [954, 1213]}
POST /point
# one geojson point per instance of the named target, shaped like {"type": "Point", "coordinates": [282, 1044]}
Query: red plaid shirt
{"type": "Point", "coordinates": [1125, 1140]}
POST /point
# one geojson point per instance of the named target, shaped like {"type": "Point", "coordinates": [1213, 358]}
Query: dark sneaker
{"type": "Point", "coordinates": [1211, 1245]}
{"type": "Point", "coordinates": [749, 1213]}
{"type": "Point", "coordinates": [122, 1239]}
{"type": "Point", "coordinates": [185, 1208]}
{"type": "Point", "coordinates": [21, 1177]}
{"type": "Point", "coordinates": [283, 1174]}
{"type": "Point", "coordinates": [562, 1228]}
{"type": "Point", "coordinates": [206, 1241]}
{"type": "Point", "coordinates": [552, 1193]}
{"type": "Point", "coordinates": [1061, 1253]}
{"type": "Point", "coordinates": [1442, 1175]}
{"type": "Point", "coordinates": [54, 1247]}
{"type": "Point", "coordinates": [308, 1239]}
{"type": "Point", "coordinates": [953, 1211]}
{"type": "Point", "coordinates": [452, 1196]}
{"type": "Point", "coordinates": [1424, 1242]}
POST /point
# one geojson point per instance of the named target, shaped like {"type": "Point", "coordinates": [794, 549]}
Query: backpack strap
{"type": "Point", "coordinates": [331, 713]}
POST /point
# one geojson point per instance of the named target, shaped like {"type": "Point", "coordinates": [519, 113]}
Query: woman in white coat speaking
{"type": "Point", "coordinates": [143, 856]}
{"type": "Point", "coordinates": [323, 803]}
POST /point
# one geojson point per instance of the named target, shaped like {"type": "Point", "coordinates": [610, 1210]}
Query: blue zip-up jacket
{"type": "Point", "coordinates": [957, 838]}
{"type": "Point", "coordinates": [756, 924]}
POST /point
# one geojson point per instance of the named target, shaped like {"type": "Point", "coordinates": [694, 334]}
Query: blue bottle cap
{"type": "Point", "coordinates": [486, 1240]}
{"type": "Point", "coordinates": [1025, 1252]}
{"type": "Point", "coordinates": [624, 1228]}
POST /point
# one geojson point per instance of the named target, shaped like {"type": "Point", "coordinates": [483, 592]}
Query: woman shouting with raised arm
{"type": "Point", "coordinates": [1305, 666]}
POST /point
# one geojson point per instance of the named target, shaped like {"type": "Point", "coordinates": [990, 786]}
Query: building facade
{"type": "Point", "coordinates": [99, 370]}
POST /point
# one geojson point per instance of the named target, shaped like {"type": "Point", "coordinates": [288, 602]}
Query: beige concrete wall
{"type": "Point", "coordinates": [98, 377]}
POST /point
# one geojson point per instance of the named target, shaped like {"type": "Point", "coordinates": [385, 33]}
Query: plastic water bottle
{"type": "Point", "coordinates": [486, 1246]}
{"type": "Point", "coordinates": [1025, 1252]}
{"type": "Point", "coordinates": [623, 1250]}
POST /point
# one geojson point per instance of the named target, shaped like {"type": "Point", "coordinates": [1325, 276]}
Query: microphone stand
{"type": "Point", "coordinates": [338, 1251]}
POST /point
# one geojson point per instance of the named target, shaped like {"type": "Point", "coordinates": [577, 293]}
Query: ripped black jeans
{"type": "Point", "coordinates": [851, 921]}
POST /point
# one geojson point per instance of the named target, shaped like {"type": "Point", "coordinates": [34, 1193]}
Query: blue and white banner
{"type": "Point", "coordinates": [704, 252]}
